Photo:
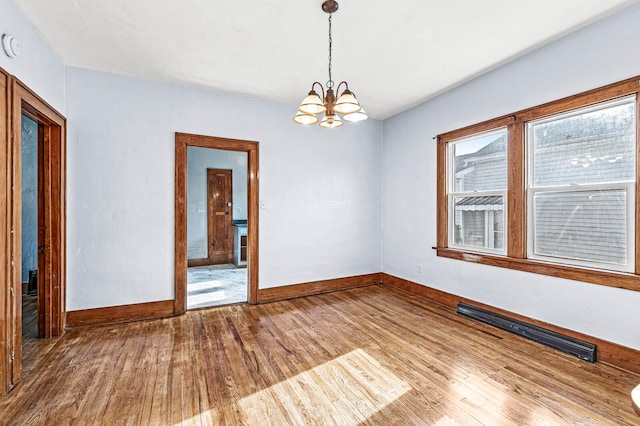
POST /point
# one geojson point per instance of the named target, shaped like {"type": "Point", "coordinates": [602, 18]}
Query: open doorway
{"type": "Point", "coordinates": [245, 243]}
{"type": "Point", "coordinates": [31, 144]}
{"type": "Point", "coordinates": [216, 227]}
{"type": "Point", "coordinates": [20, 106]}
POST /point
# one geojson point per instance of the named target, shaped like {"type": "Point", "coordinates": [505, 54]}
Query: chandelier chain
{"type": "Point", "coordinates": [330, 82]}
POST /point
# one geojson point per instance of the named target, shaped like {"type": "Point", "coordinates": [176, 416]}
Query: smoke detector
{"type": "Point", "coordinates": [10, 45]}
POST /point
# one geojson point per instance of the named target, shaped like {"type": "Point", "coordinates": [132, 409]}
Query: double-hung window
{"type": "Point", "coordinates": [581, 186]}
{"type": "Point", "coordinates": [477, 192]}
{"type": "Point", "coordinates": [552, 189]}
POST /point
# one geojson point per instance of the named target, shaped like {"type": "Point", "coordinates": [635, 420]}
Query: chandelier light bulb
{"type": "Point", "coordinates": [355, 117]}
{"type": "Point", "coordinates": [347, 103]}
{"type": "Point", "coordinates": [305, 119]}
{"type": "Point", "coordinates": [331, 121]}
{"type": "Point", "coordinates": [312, 104]}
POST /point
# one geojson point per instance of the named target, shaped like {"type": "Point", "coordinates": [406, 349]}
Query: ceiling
{"type": "Point", "coordinates": [393, 54]}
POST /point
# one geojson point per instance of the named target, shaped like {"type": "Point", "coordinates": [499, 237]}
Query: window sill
{"type": "Point", "coordinates": [612, 279]}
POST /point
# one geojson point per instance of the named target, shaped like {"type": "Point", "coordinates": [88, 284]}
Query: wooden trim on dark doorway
{"type": "Point", "coordinates": [7, 302]}
{"type": "Point", "coordinates": [184, 140]}
{"type": "Point", "coordinates": [52, 281]}
{"type": "Point", "coordinates": [17, 99]}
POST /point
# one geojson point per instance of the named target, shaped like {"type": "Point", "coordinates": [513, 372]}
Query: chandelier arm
{"type": "Point", "coordinates": [321, 88]}
{"type": "Point", "coordinates": [339, 85]}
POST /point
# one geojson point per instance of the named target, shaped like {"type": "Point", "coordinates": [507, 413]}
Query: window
{"type": "Point", "coordinates": [477, 191]}
{"type": "Point", "coordinates": [551, 189]}
{"type": "Point", "coordinates": [581, 186]}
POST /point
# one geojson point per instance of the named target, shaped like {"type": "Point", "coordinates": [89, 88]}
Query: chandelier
{"type": "Point", "coordinates": [314, 105]}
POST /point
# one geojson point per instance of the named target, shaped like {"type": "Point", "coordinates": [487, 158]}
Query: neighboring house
{"type": "Point", "coordinates": [479, 220]}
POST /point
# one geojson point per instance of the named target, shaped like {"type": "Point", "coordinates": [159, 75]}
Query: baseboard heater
{"type": "Point", "coordinates": [566, 344]}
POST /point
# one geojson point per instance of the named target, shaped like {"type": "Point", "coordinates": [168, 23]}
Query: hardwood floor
{"type": "Point", "coordinates": [370, 355]}
{"type": "Point", "coordinates": [29, 317]}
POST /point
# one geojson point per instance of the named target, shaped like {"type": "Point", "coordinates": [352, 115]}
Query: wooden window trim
{"type": "Point", "coordinates": [516, 194]}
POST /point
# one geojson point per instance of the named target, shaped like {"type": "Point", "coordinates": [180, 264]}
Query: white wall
{"type": "Point", "coordinates": [36, 66]}
{"type": "Point", "coordinates": [198, 161]}
{"type": "Point", "coordinates": [320, 188]}
{"type": "Point", "coordinates": [41, 71]}
{"type": "Point", "coordinates": [605, 52]}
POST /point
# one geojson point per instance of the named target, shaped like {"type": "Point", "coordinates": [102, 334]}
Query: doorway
{"type": "Point", "coordinates": [18, 101]}
{"type": "Point", "coordinates": [197, 251]}
{"type": "Point", "coordinates": [31, 150]}
{"type": "Point", "coordinates": [216, 209]}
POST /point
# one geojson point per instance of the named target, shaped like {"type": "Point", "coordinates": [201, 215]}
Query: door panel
{"type": "Point", "coordinates": [220, 205]}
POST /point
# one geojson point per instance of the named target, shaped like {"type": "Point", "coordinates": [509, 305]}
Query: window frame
{"type": "Point", "coordinates": [452, 194]}
{"type": "Point", "coordinates": [516, 229]}
{"type": "Point", "coordinates": [532, 190]}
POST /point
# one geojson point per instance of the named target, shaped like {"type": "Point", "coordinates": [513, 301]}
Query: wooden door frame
{"type": "Point", "coordinates": [21, 100]}
{"type": "Point", "coordinates": [212, 170]}
{"type": "Point", "coordinates": [7, 302]}
{"type": "Point", "coordinates": [184, 140]}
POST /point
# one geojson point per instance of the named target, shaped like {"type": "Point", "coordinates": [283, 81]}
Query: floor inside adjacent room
{"type": "Point", "coordinates": [29, 316]}
{"type": "Point", "coordinates": [215, 285]}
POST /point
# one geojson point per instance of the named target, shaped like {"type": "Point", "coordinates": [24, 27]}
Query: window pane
{"type": "Point", "coordinates": [596, 146]}
{"type": "Point", "coordinates": [479, 221]}
{"type": "Point", "coordinates": [480, 163]}
{"type": "Point", "coordinates": [584, 225]}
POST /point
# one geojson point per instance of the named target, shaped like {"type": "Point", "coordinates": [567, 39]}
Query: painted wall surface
{"type": "Point", "coordinates": [320, 189]}
{"type": "Point", "coordinates": [37, 66]}
{"type": "Point", "coordinates": [39, 69]}
{"type": "Point", "coordinates": [29, 157]}
{"type": "Point", "coordinates": [602, 53]}
{"type": "Point", "coordinates": [198, 161]}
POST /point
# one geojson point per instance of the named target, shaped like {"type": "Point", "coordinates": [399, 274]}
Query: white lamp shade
{"type": "Point", "coordinates": [331, 122]}
{"type": "Point", "coordinates": [305, 119]}
{"type": "Point", "coordinates": [354, 117]}
{"type": "Point", "coordinates": [347, 103]}
{"type": "Point", "coordinates": [312, 104]}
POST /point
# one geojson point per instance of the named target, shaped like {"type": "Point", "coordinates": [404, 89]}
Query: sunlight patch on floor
{"type": "Point", "coordinates": [203, 285]}
{"type": "Point", "coordinates": [474, 396]}
{"type": "Point", "coordinates": [446, 421]}
{"type": "Point", "coordinates": [350, 388]}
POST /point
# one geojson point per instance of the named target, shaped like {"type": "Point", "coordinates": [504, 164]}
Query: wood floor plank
{"type": "Point", "coordinates": [370, 356]}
